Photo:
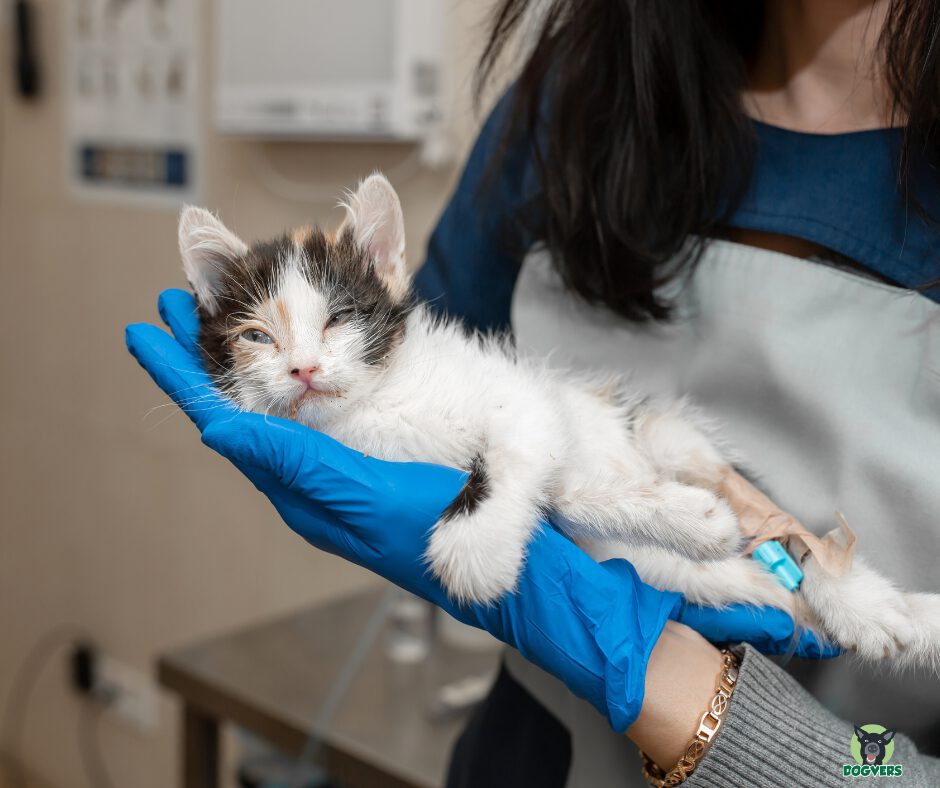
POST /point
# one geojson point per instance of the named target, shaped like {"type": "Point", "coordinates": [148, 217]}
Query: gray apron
{"type": "Point", "coordinates": [828, 383]}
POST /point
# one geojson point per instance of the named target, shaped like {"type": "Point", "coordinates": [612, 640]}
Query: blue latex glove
{"type": "Point", "coordinates": [591, 625]}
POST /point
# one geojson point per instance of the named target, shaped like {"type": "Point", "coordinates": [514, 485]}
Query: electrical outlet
{"type": "Point", "coordinates": [126, 693]}
{"type": "Point", "coordinates": [133, 695]}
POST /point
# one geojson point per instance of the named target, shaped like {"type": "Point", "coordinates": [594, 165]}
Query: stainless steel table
{"type": "Point", "coordinates": [272, 679]}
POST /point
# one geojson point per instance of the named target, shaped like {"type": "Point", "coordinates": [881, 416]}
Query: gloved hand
{"type": "Point", "coordinates": [591, 625]}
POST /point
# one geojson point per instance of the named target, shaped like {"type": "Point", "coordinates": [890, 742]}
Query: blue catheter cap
{"type": "Point", "coordinates": [773, 555]}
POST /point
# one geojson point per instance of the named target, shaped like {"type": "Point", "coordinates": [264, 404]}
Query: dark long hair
{"type": "Point", "coordinates": [644, 148]}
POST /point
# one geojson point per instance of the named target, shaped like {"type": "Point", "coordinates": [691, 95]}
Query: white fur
{"type": "Point", "coordinates": [548, 442]}
{"type": "Point", "coordinates": [206, 246]}
{"type": "Point", "coordinates": [636, 476]}
{"type": "Point", "coordinates": [373, 212]}
{"type": "Point", "coordinates": [713, 583]}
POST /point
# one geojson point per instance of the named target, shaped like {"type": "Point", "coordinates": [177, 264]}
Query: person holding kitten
{"type": "Point", "coordinates": [732, 202]}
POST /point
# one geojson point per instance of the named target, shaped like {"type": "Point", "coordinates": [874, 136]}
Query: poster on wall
{"type": "Point", "coordinates": [133, 111]}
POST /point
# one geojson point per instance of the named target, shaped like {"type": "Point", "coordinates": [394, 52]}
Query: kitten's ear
{"type": "Point", "coordinates": [373, 214]}
{"type": "Point", "coordinates": [208, 248]}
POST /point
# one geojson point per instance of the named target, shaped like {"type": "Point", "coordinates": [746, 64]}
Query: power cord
{"type": "Point", "coordinates": [90, 747]}
{"type": "Point", "coordinates": [24, 682]}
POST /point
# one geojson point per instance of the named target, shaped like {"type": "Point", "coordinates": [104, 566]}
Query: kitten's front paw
{"type": "Point", "coordinates": [861, 610]}
{"type": "Point", "coordinates": [701, 525]}
{"type": "Point", "coordinates": [474, 563]}
{"type": "Point", "coordinates": [886, 635]}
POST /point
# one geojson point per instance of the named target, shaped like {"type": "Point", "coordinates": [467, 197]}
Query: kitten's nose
{"type": "Point", "coordinates": [306, 374]}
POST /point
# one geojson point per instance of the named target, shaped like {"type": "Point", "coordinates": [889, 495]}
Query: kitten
{"type": "Point", "coordinates": [323, 329]}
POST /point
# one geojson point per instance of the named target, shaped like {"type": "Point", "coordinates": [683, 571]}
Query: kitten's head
{"type": "Point", "coordinates": [297, 323]}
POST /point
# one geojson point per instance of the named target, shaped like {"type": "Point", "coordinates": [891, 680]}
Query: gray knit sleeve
{"type": "Point", "coordinates": [776, 734]}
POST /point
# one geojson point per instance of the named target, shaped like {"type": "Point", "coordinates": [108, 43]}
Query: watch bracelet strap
{"type": "Point", "coordinates": [707, 729]}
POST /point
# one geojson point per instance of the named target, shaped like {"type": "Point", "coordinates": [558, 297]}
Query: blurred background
{"type": "Point", "coordinates": [117, 527]}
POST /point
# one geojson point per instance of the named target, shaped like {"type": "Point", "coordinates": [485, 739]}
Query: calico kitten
{"type": "Point", "coordinates": [323, 329]}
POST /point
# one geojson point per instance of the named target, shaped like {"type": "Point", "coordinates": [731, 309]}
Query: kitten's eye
{"type": "Point", "coordinates": [340, 317]}
{"type": "Point", "coordinates": [256, 335]}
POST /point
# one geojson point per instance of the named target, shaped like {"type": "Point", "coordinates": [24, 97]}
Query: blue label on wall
{"type": "Point", "coordinates": [134, 166]}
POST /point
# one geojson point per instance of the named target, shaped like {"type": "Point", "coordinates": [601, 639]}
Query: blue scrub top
{"type": "Point", "coordinates": [839, 190]}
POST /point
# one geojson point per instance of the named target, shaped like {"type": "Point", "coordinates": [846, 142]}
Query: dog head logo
{"type": "Point", "coordinates": [872, 745]}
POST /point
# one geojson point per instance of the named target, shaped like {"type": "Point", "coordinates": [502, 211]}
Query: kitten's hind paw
{"type": "Point", "coordinates": [474, 562]}
{"type": "Point", "coordinates": [699, 524]}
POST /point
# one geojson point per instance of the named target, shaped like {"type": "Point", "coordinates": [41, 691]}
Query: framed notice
{"type": "Point", "coordinates": [133, 99]}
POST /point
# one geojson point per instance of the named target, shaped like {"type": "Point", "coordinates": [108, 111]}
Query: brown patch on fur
{"type": "Point", "coordinates": [282, 312]}
{"type": "Point", "coordinates": [609, 391]}
{"type": "Point", "coordinates": [238, 353]}
{"type": "Point", "coordinates": [301, 234]}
